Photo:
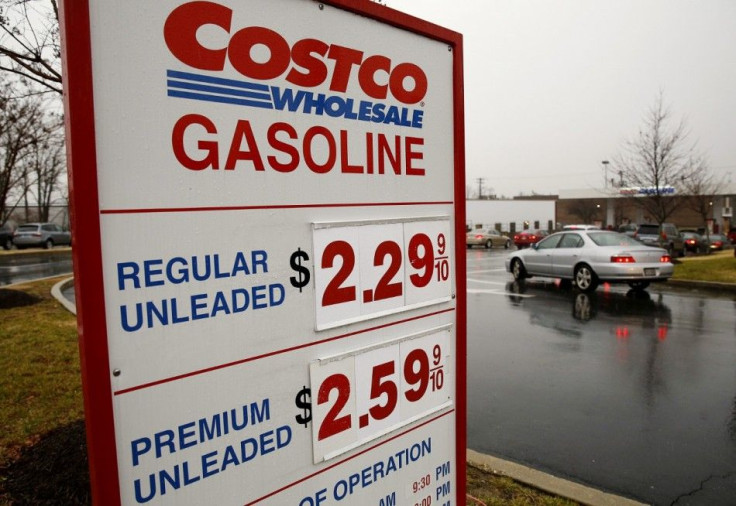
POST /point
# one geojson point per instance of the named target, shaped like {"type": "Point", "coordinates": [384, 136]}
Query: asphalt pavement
{"type": "Point", "coordinates": [632, 393]}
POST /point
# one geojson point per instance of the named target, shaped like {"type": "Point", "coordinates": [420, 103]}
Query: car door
{"type": "Point", "coordinates": [538, 260]}
{"type": "Point", "coordinates": [566, 255]}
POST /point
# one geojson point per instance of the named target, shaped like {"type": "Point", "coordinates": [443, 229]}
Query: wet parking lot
{"type": "Point", "coordinates": [16, 267]}
{"type": "Point", "coordinates": [630, 392]}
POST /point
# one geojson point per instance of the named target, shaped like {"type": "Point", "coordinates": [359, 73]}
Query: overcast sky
{"type": "Point", "coordinates": [554, 87]}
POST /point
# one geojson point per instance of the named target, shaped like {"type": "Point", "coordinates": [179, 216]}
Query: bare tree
{"type": "Point", "coordinates": [47, 164]}
{"type": "Point", "coordinates": [29, 42]}
{"type": "Point", "coordinates": [701, 188]}
{"type": "Point", "coordinates": [657, 161]}
{"type": "Point", "coordinates": [21, 128]}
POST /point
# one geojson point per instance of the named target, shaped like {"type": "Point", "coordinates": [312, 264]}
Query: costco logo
{"type": "Point", "coordinates": [306, 64]}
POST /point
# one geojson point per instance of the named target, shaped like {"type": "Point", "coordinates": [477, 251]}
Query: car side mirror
{"type": "Point", "coordinates": [535, 245]}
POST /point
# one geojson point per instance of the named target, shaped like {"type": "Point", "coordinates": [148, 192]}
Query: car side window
{"type": "Point", "coordinates": [571, 241]}
{"type": "Point", "coordinates": [550, 242]}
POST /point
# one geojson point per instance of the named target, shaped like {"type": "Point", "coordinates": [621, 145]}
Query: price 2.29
{"type": "Point", "coordinates": [388, 255]}
{"type": "Point", "coordinates": [364, 270]}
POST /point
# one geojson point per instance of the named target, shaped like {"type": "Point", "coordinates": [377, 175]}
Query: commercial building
{"type": "Point", "coordinates": [615, 206]}
{"type": "Point", "coordinates": [606, 207]}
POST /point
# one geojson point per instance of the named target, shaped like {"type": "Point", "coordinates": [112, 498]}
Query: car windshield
{"type": "Point", "coordinates": [612, 239]}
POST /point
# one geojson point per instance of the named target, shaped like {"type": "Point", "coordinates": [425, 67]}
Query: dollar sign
{"type": "Point", "coordinates": [302, 279]}
{"type": "Point", "coordinates": [304, 401]}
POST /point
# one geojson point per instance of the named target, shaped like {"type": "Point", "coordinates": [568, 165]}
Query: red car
{"type": "Point", "coordinates": [732, 236]}
{"type": "Point", "coordinates": [526, 238]}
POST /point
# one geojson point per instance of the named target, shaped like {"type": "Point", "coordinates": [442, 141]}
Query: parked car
{"type": "Point", "coordinates": [732, 235]}
{"type": "Point", "coordinates": [6, 237]}
{"type": "Point", "coordinates": [486, 237]}
{"type": "Point", "coordinates": [588, 257]}
{"type": "Point", "coordinates": [667, 236]}
{"type": "Point", "coordinates": [716, 242]}
{"type": "Point", "coordinates": [628, 229]}
{"type": "Point", "coordinates": [526, 238]}
{"type": "Point", "coordinates": [44, 235]}
{"type": "Point", "coordinates": [694, 242]}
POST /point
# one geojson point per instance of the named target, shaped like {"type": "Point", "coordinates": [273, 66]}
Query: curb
{"type": "Point", "coordinates": [548, 483]}
{"type": "Point", "coordinates": [706, 285]}
{"type": "Point", "coordinates": [56, 292]}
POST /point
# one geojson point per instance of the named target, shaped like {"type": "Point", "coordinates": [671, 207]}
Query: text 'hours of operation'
{"type": "Point", "coordinates": [366, 270]}
{"type": "Point", "coordinates": [362, 395]}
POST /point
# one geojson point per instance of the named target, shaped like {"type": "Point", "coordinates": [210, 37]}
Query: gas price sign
{"type": "Point", "coordinates": [288, 326]}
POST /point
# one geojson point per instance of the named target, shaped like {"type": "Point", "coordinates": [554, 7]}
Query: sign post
{"type": "Point", "coordinates": [268, 213]}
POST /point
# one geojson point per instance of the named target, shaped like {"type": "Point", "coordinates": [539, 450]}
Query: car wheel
{"type": "Point", "coordinates": [506, 245]}
{"type": "Point", "coordinates": [48, 244]}
{"type": "Point", "coordinates": [518, 270]}
{"type": "Point", "coordinates": [489, 244]}
{"type": "Point", "coordinates": [585, 279]}
{"type": "Point", "coordinates": [8, 244]}
{"type": "Point", "coordinates": [638, 285]}
{"type": "Point", "coordinates": [470, 246]}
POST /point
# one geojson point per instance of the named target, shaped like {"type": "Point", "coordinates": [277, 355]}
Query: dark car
{"type": "Point", "coordinates": [716, 242]}
{"type": "Point", "coordinates": [526, 238]}
{"type": "Point", "coordinates": [41, 235]}
{"type": "Point", "coordinates": [6, 237]}
{"type": "Point", "coordinates": [628, 229]}
{"type": "Point", "coordinates": [694, 242]}
{"type": "Point", "coordinates": [667, 236]}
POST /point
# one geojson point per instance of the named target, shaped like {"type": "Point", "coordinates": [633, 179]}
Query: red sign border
{"type": "Point", "coordinates": [87, 253]}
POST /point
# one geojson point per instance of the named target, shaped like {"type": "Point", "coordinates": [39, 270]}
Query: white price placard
{"type": "Point", "coordinates": [369, 269]}
{"type": "Point", "coordinates": [364, 394]}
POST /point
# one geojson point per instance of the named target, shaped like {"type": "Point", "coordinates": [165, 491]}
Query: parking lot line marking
{"type": "Point", "coordinates": [485, 270]}
{"type": "Point", "coordinates": [487, 282]}
{"type": "Point", "coordinates": [499, 292]}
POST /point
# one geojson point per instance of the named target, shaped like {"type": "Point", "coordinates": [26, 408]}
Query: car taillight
{"type": "Point", "coordinates": [690, 241]}
{"type": "Point", "coordinates": [664, 236]}
{"type": "Point", "coordinates": [533, 237]}
{"type": "Point", "coordinates": [516, 237]}
{"type": "Point", "coordinates": [479, 236]}
{"type": "Point", "coordinates": [665, 259]}
{"type": "Point", "coordinates": [622, 259]}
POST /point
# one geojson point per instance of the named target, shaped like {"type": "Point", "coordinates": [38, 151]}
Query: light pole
{"type": "Point", "coordinates": [605, 170]}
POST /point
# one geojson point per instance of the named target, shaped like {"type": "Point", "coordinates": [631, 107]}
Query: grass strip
{"type": "Point", "coordinates": [719, 267]}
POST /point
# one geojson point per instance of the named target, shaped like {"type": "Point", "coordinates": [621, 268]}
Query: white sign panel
{"type": "Point", "coordinates": [277, 217]}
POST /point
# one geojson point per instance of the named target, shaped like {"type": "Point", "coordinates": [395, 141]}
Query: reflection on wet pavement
{"type": "Point", "coordinates": [632, 392]}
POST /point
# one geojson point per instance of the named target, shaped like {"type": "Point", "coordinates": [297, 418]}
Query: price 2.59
{"type": "Point", "coordinates": [363, 395]}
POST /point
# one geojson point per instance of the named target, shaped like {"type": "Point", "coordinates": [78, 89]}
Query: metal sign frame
{"type": "Point", "coordinates": [86, 221]}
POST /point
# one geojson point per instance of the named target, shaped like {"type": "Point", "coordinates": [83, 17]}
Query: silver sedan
{"type": "Point", "coordinates": [588, 257]}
